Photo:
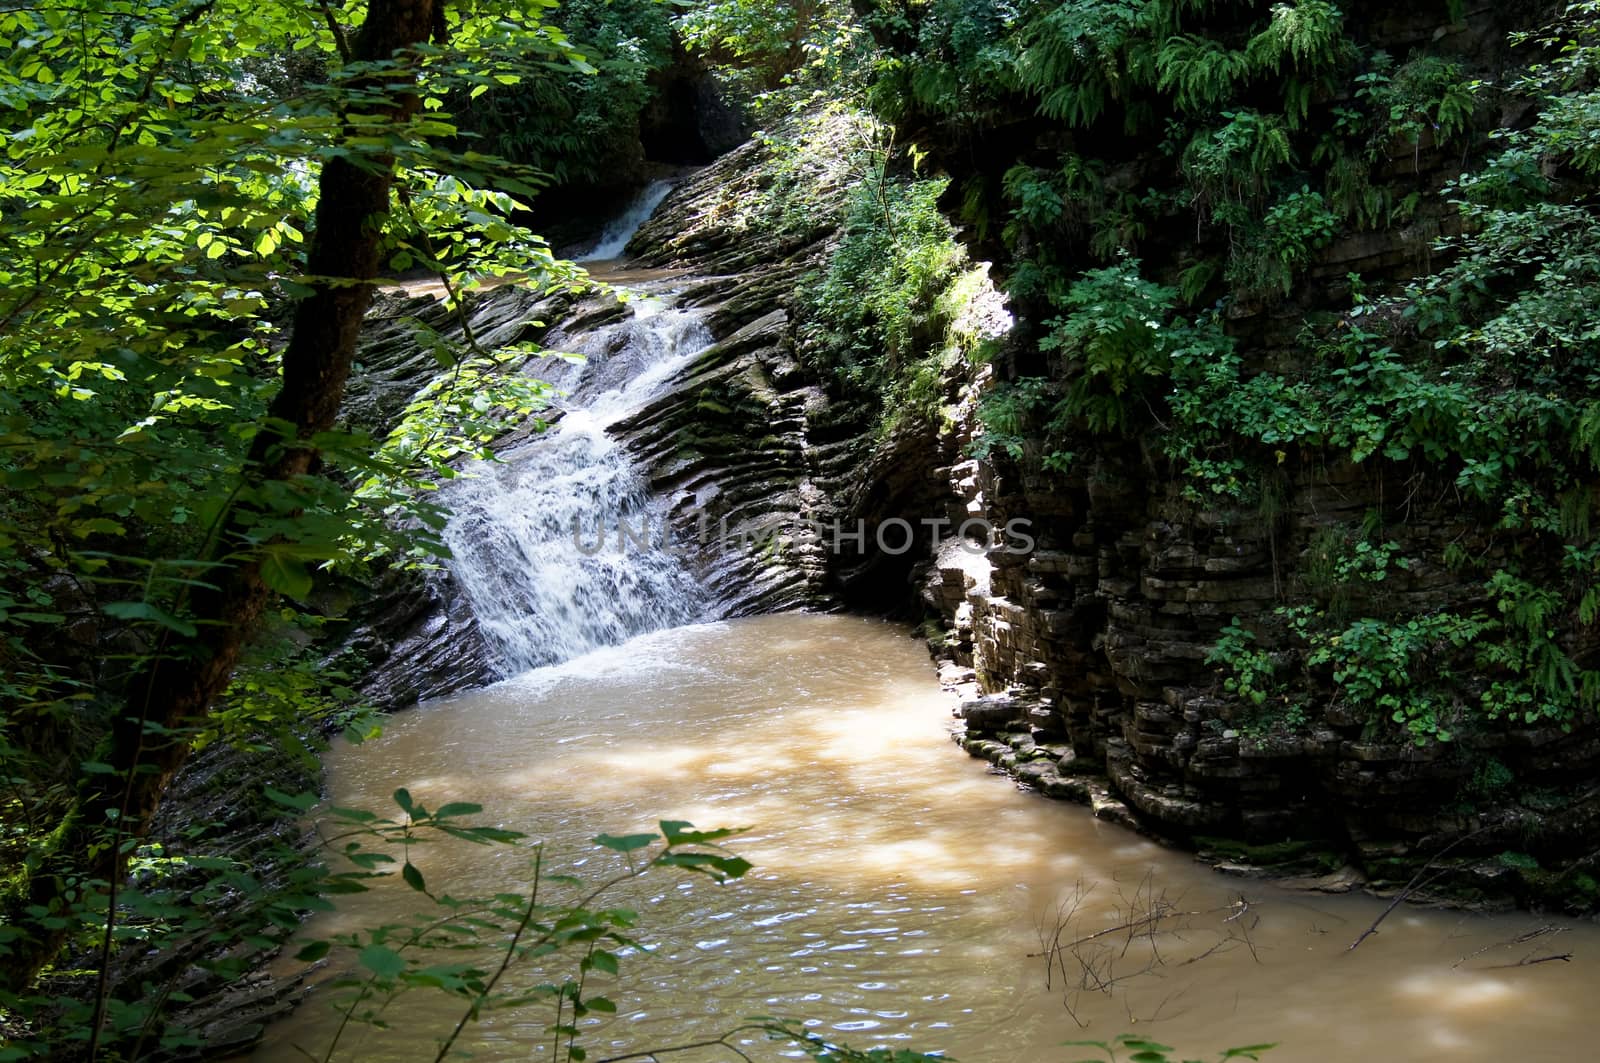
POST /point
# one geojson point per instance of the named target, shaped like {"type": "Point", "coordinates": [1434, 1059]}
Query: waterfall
{"type": "Point", "coordinates": [525, 530]}
{"type": "Point", "coordinates": [615, 236]}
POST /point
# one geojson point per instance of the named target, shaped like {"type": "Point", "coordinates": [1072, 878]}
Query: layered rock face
{"type": "Point", "coordinates": [752, 440]}
{"type": "Point", "coordinates": [1096, 644]}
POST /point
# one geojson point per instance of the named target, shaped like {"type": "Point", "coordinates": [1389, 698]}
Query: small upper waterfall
{"type": "Point", "coordinates": [535, 537]}
{"type": "Point", "coordinates": [615, 236]}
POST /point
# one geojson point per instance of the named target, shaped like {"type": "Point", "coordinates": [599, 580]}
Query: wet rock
{"type": "Point", "coordinates": [1108, 807]}
{"type": "Point", "coordinates": [1033, 772]}
{"type": "Point", "coordinates": [1065, 787]}
{"type": "Point", "coordinates": [1344, 880]}
{"type": "Point", "coordinates": [994, 712]}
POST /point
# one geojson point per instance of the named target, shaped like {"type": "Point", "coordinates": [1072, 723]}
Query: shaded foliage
{"type": "Point", "coordinates": [1268, 135]}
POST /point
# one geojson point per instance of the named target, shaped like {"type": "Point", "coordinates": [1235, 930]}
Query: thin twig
{"type": "Point", "coordinates": [1410, 888]}
{"type": "Point", "coordinates": [1530, 960]}
{"type": "Point", "coordinates": [1520, 939]}
{"type": "Point", "coordinates": [505, 962]}
{"type": "Point", "coordinates": [339, 40]}
{"type": "Point", "coordinates": [716, 1042]}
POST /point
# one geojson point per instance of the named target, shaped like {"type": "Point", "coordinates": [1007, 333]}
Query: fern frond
{"type": "Point", "coordinates": [1296, 101]}
{"type": "Point", "coordinates": [1072, 57]}
{"type": "Point", "coordinates": [1309, 34]}
{"type": "Point", "coordinates": [1201, 73]}
{"type": "Point", "coordinates": [1084, 177]}
{"type": "Point", "coordinates": [1077, 105]}
{"type": "Point", "coordinates": [935, 87]}
{"type": "Point", "coordinates": [1576, 507]}
{"type": "Point", "coordinates": [975, 205]}
{"type": "Point", "coordinates": [1239, 157]}
{"type": "Point", "coordinates": [1586, 435]}
{"type": "Point", "coordinates": [1193, 281]}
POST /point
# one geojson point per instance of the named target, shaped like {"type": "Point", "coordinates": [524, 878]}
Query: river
{"type": "Point", "coordinates": [900, 889]}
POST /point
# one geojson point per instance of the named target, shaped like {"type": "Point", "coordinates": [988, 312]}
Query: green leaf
{"type": "Point", "coordinates": [458, 808]}
{"type": "Point", "coordinates": [382, 961]}
{"type": "Point", "coordinates": [680, 832]}
{"type": "Point", "coordinates": [313, 952]}
{"type": "Point", "coordinates": [152, 613]}
{"type": "Point", "coordinates": [286, 574]}
{"type": "Point", "coordinates": [480, 835]}
{"type": "Point", "coordinates": [413, 877]}
{"type": "Point", "coordinates": [299, 802]}
{"type": "Point", "coordinates": [626, 843]}
{"type": "Point", "coordinates": [718, 867]}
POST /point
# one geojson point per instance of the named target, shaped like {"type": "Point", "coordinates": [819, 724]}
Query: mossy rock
{"type": "Point", "coordinates": [1289, 857]}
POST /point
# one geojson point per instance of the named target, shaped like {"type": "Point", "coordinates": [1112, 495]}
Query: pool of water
{"type": "Point", "coordinates": [902, 894]}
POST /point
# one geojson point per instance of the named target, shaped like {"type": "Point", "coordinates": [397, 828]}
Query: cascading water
{"type": "Point", "coordinates": [534, 539]}
{"type": "Point", "coordinates": [615, 236]}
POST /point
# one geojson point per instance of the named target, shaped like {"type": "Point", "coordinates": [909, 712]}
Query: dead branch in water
{"type": "Point", "coordinates": [1520, 939]}
{"type": "Point", "coordinates": [1530, 959]}
{"type": "Point", "coordinates": [1147, 931]}
{"type": "Point", "coordinates": [1411, 887]}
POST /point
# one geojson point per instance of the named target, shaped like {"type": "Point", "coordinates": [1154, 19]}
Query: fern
{"type": "Point", "coordinates": [1426, 93]}
{"type": "Point", "coordinates": [1072, 58]}
{"type": "Point", "coordinates": [1299, 224]}
{"type": "Point", "coordinates": [1199, 72]}
{"type": "Point", "coordinates": [1119, 228]}
{"type": "Point", "coordinates": [975, 205]}
{"type": "Point", "coordinates": [1084, 178]}
{"type": "Point", "coordinates": [1309, 34]}
{"type": "Point", "coordinates": [1238, 158]}
{"type": "Point", "coordinates": [1039, 201]}
{"type": "Point", "coordinates": [1349, 191]}
{"type": "Point", "coordinates": [1586, 436]}
{"type": "Point", "coordinates": [936, 87]}
{"type": "Point", "coordinates": [1192, 282]}
{"type": "Point", "coordinates": [1575, 506]}
{"type": "Point", "coordinates": [1077, 105]}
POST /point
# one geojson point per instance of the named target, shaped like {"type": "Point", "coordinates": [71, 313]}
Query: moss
{"type": "Point", "coordinates": [933, 632]}
{"type": "Point", "coordinates": [1570, 890]}
{"type": "Point", "coordinates": [1291, 856]}
{"type": "Point", "coordinates": [1520, 861]}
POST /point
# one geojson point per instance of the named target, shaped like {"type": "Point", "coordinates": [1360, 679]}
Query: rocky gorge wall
{"type": "Point", "coordinates": [1087, 662]}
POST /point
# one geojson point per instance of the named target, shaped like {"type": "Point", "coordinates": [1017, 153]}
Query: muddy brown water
{"type": "Point", "coordinates": [899, 887]}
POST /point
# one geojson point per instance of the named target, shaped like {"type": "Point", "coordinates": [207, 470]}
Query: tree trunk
{"type": "Point", "coordinates": [174, 690]}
